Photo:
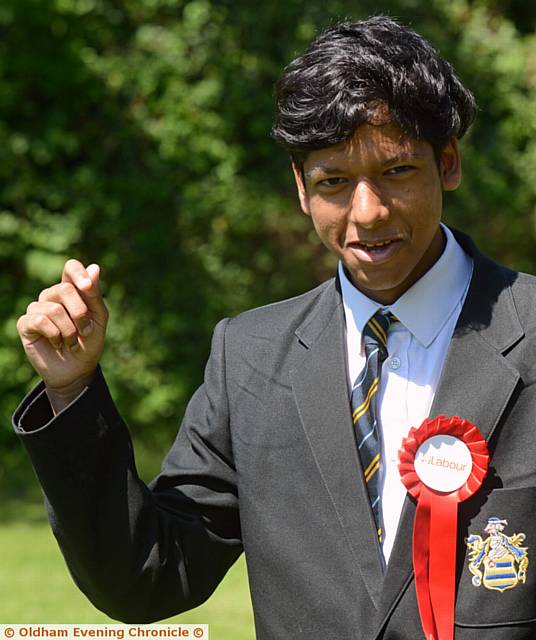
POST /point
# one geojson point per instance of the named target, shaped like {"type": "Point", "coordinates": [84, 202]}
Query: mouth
{"type": "Point", "coordinates": [371, 246]}
{"type": "Point", "coordinates": [375, 251]}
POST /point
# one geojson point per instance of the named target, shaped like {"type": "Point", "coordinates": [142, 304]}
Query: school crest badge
{"type": "Point", "coordinates": [499, 562]}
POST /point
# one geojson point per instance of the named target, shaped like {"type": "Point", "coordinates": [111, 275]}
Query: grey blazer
{"type": "Point", "coordinates": [266, 462]}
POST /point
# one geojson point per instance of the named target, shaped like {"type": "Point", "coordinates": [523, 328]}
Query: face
{"type": "Point", "coordinates": [376, 202]}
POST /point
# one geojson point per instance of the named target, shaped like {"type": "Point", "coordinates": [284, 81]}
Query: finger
{"type": "Point", "coordinates": [58, 312]}
{"type": "Point", "coordinates": [87, 282]}
{"type": "Point", "coordinates": [34, 327]}
{"type": "Point", "coordinates": [75, 272]}
{"type": "Point", "coordinates": [93, 271]}
{"type": "Point", "coordinates": [67, 295]}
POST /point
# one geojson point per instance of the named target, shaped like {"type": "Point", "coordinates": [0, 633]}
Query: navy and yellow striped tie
{"type": "Point", "coordinates": [364, 411]}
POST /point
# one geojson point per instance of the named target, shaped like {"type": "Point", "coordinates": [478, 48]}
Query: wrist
{"type": "Point", "coordinates": [61, 397]}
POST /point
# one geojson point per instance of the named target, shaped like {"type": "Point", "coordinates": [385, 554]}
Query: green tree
{"type": "Point", "coordinates": [135, 133]}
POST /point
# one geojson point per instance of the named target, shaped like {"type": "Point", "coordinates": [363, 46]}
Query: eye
{"type": "Point", "coordinates": [403, 168]}
{"type": "Point", "coordinates": [331, 182]}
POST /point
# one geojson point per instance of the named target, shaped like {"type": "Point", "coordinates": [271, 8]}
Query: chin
{"type": "Point", "coordinates": [377, 284]}
{"type": "Point", "coordinates": [386, 292]}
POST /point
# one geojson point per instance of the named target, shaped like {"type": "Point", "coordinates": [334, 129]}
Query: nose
{"type": "Point", "coordinates": [367, 206]}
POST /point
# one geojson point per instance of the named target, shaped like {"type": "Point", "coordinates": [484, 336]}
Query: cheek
{"type": "Point", "coordinates": [408, 199]}
{"type": "Point", "coordinates": [323, 228]}
{"type": "Point", "coordinates": [331, 233]}
{"type": "Point", "coordinates": [420, 209]}
{"type": "Point", "coordinates": [328, 221]}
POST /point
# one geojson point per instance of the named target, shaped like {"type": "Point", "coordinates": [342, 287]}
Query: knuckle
{"type": "Point", "coordinates": [44, 294]}
{"type": "Point", "coordinates": [40, 321]}
{"type": "Point", "coordinates": [80, 313]}
{"type": "Point", "coordinates": [71, 263]}
{"type": "Point", "coordinates": [54, 310]}
{"type": "Point", "coordinates": [64, 288]}
{"type": "Point", "coordinates": [55, 333]}
{"type": "Point", "coordinates": [70, 333]}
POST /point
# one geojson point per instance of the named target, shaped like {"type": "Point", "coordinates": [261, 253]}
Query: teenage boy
{"type": "Point", "coordinates": [288, 451]}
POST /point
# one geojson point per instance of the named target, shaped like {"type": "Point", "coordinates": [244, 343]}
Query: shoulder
{"type": "Point", "coordinates": [267, 338]}
{"type": "Point", "coordinates": [523, 286]}
{"type": "Point", "coordinates": [522, 283]}
{"type": "Point", "coordinates": [284, 316]}
{"type": "Point", "coordinates": [508, 289]}
{"type": "Point", "coordinates": [497, 286]}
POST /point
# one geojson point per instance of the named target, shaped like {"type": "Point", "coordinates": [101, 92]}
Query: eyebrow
{"type": "Point", "coordinates": [331, 169]}
{"type": "Point", "coordinates": [323, 169]}
{"type": "Point", "coordinates": [403, 157]}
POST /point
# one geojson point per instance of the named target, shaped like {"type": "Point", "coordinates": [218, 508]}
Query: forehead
{"type": "Point", "coordinates": [370, 144]}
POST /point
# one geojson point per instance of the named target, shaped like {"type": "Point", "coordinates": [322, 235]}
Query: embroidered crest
{"type": "Point", "coordinates": [503, 558]}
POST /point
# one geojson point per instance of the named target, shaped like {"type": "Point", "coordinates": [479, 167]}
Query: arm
{"type": "Point", "coordinates": [140, 554]}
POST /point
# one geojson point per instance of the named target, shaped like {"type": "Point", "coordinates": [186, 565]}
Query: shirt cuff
{"type": "Point", "coordinates": [35, 412]}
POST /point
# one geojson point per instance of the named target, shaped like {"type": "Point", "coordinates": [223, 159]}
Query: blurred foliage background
{"type": "Point", "coordinates": [135, 134]}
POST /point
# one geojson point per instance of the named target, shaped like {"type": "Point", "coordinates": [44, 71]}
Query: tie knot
{"type": "Point", "coordinates": [377, 327]}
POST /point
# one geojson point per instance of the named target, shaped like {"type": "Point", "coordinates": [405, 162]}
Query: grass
{"type": "Point", "coordinates": [35, 586]}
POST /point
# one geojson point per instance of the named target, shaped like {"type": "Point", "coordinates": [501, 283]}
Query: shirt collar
{"type": "Point", "coordinates": [425, 307]}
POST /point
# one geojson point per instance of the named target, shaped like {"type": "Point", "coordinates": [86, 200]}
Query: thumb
{"type": "Point", "coordinates": [87, 283]}
{"type": "Point", "coordinates": [93, 296]}
{"type": "Point", "coordinates": [93, 271]}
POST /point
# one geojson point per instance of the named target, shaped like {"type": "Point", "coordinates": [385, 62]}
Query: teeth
{"type": "Point", "coordinates": [375, 244]}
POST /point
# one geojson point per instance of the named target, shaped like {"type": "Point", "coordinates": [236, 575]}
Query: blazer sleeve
{"type": "Point", "coordinates": [139, 553]}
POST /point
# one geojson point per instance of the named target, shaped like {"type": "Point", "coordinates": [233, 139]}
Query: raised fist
{"type": "Point", "coordinates": [63, 331]}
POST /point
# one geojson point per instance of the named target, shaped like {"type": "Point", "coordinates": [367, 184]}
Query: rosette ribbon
{"type": "Point", "coordinates": [436, 522]}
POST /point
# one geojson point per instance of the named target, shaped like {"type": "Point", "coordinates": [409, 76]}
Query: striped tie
{"type": "Point", "coordinates": [364, 411]}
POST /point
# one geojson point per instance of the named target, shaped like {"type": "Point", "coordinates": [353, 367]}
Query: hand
{"type": "Point", "coordinates": [63, 331]}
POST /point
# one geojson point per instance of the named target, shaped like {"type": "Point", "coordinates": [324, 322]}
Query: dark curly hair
{"type": "Point", "coordinates": [357, 71]}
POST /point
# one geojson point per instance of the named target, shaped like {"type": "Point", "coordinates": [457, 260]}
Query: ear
{"type": "Point", "coordinates": [450, 166]}
{"type": "Point", "coordinates": [300, 184]}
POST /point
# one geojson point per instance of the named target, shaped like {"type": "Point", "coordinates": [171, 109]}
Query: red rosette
{"type": "Point", "coordinates": [435, 525]}
{"type": "Point", "coordinates": [440, 426]}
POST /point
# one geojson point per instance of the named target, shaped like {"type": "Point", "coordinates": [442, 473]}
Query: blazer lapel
{"type": "Point", "coordinates": [320, 385]}
{"type": "Point", "coordinates": [476, 383]}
